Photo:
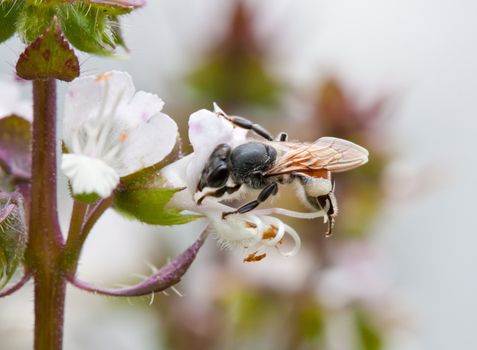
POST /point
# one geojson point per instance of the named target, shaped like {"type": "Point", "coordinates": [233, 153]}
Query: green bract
{"type": "Point", "coordinates": [148, 206]}
{"type": "Point", "coordinates": [143, 196]}
{"type": "Point", "coordinates": [49, 56]}
{"type": "Point", "coordinates": [90, 25]}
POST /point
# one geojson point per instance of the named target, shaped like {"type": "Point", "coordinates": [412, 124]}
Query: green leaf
{"type": "Point", "coordinates": [143, 196]}
{"type": "Point", "coordinates": [368, 334]}
{"type": "Point", "coordinates": [148, 206]}
{"type": "Point", "coordinates": [49, 56]}
{"type": "Point", "coordinates": [90, 29]}
{"type": "Point", "coordinates": [8, 13]}
{"type": "Point", "coordinates": [15, 145]}
{"type": "Point", "coordinates": [13, 235]}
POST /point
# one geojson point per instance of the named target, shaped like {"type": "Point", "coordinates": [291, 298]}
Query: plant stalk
{"type": "Point", "coordinates": [45, 243]}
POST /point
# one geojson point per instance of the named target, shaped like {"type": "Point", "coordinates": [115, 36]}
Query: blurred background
{"type": "Point", "coordinates": [398, 77]}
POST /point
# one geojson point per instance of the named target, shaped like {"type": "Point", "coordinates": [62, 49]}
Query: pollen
{"type": "Point", "coordinates": [270, 233]}
{"type": "Point", "coordinates": [249, 224]}
{"type": "Point", "coordinates": [123, 136]}
{"type": "Point", "coordinates": [254, 257]}
{"type": "Point", "coordinates": [104, 77]}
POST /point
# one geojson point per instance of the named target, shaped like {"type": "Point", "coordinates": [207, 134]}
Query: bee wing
{"type": "Point", "coordinates": [326, 153]}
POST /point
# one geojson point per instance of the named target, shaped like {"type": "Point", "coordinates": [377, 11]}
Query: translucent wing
{"type": "Point", "coordinates": [326, 153]}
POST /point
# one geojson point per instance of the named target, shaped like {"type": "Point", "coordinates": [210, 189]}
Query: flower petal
{"type": "Point", "coordinates": [233, 229]}
{"type": "Point", "coordinates": [94, 97]}
{"type": "Point", "coordinates": [89, 175]}
{"type": "Point", "coordinates": [147, 144]}
{"type": "Point", "coordinates": [141, 108]}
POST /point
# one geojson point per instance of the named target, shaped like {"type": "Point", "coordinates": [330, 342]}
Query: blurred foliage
{"type": "Point", "coordinates": [233, 72]}
{"type": "Point", "coordinates": [238, 314]}
{"type": "Point", "coordinates": [360, 195]}
{"type": "Point", "coordinates": [368, 334]}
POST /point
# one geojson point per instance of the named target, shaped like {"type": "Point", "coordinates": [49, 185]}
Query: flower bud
{"type": "Point", "coordinates": [13, 234]}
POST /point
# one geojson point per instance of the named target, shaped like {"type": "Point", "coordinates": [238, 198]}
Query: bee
{"type": "Point", "coordinates": [268, 163]}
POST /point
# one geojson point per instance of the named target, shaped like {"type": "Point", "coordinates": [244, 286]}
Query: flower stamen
{"type": "Point", "coordinates": [254, 257]}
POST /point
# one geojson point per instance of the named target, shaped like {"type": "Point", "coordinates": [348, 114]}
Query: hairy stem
{"type": "Point", "coordinates": [83, 218]}
{"type": "Point", "coordinates": [12, 289]}
{"type": "Point", "coordinates": [164, 278]}
{"type": "Point", "coordinates": [45, 243]}
{"type": "Point", "coordinates": [73, 244]}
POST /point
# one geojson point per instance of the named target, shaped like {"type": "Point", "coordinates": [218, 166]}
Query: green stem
{"type": "Point", "coordinates": [45, 243]}
{"type": "Point", "coordinates": [82, 221]}
{"type": "Point", "coordinates": [73, 245]}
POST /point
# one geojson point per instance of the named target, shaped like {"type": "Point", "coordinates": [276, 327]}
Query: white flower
{"type": "Point", "coordinates": [111, 131]}
{"type": "Point", "coordinates": [11, 102]}
{"type": "Point", "coordinates": [254, 230]}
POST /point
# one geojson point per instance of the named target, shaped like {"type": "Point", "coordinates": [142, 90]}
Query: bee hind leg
{"type": "Point", "coordinates": [282, 137]}
{"type": "Point", "coordinates": [328, 204]}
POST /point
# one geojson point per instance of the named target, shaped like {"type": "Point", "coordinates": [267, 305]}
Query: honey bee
{"type": "Point", "coordinates": [269, 163]}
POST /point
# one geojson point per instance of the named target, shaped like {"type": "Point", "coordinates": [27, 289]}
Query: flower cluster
{"type": "Point", "coordinates": [110, 132]}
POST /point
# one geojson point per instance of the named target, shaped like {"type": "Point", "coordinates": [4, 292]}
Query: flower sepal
{"type": "Point", "coordinates": [13, 235]}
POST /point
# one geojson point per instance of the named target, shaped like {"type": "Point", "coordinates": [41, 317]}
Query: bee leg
{"type": "Point", "coordinates": [282, 137]}
{"type": "Point", "coordinates": [269, 190]}
{"type": "Point", "coordinates": [247, 124]}
{"type": "Point", "coordinates": [328, 200]}
{"type": "Point", "coordinates": [219, 193]}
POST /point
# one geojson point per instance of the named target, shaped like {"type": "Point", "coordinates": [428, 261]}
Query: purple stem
{"type": "Point", "coordinates": [166, 277]}
{"type": "Point", "coordinates": [12, 289]}
{"type": "Point", "coordinates": [45, 243]}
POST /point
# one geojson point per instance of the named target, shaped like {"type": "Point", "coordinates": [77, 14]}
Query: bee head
{"type": "Point", "coordinates": [216, 171]}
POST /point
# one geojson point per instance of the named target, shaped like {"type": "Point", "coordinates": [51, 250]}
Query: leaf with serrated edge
{"type": "Point", "coordinates": [49, 56]}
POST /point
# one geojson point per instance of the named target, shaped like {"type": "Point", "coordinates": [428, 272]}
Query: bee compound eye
{"type": "Point", "coordinates": [218, 177]}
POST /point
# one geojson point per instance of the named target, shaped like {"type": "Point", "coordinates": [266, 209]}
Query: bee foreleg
{"type": "Point", "coordinates": [219, 193]}
{"type": "Point", "coordinates": [269, 190]}
{"type": "Point", "coordinates": [247, 124]}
